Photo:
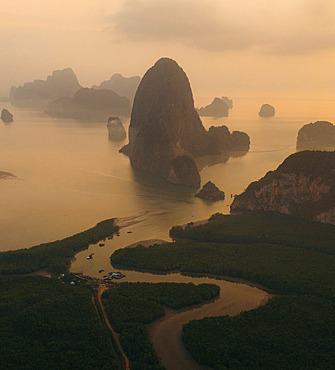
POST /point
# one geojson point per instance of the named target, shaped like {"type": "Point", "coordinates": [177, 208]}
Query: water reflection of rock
{"type": "Point", "coordinates": [212, 160]}
{"type": "Point", "coordinates": [116, 131]}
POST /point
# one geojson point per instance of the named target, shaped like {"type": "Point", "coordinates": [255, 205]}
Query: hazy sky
{"type": "Point", "coordinates": [236, 48]}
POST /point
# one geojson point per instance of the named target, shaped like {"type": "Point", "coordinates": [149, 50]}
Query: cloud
{"type": "Point", "coordinates": [270, 27]}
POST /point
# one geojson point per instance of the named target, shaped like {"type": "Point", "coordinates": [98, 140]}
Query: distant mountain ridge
{"type": "Point", "coordinates": [90, 105]}
{"type": "Point", "coordinates": [123, 86]}
{"type": "Point", "coordinates": [37, 94]}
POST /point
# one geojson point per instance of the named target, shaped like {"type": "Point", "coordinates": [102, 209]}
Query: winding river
{"type": "Point", "coordinates": [165, 333]}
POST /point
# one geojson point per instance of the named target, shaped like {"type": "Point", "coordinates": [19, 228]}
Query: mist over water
{"type": "Point", "coordinates": [70, 176]}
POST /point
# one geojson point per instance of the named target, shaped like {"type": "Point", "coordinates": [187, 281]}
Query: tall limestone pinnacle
{"type": "Point", "coordinates": [165, 131]}
{"type": "Point", "coordinates": [164, 125]}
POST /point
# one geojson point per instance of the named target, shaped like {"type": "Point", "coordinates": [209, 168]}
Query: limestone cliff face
{"type": "Point", "coordinates": [164, 124]}
{"type": "Point", "coordinates": [37, 94]}
{"type": "Point", "coordinates": [303, 185]}
{"type": "Point", "coordinates": [165, 131]}
{"type": "Point", "coordinates": [316, 136]}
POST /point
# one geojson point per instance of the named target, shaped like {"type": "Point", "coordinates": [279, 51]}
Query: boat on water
{"type": "Point", "coordinates": [90, 257]}
{"type": "Point", "coordinates": [116, 275]}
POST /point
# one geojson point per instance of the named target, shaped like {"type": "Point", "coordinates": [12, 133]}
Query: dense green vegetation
{"type": "Point", "coordinates": [287, 333]}
{"type": "Point", "coordinates": [262, 227]}
{"type": "Point", "coordinates": [55, 256]}
{"type": "Point", "coordinates": [130, 306]}
{"type": "Point", "coordinates": [280, 268]}
{"type": "Point", "coordinates": [45, 324]}
{"type": "Point", "coordinates": [280, 252]}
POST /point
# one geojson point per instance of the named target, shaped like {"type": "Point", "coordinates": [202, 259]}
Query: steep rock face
{"type": "Point", "coordinates": [183, 171]}
{"type": "Point", "coordinates": [165, 125]}
{"type": "Point", "coordinates": [267, 110]}
{"type": "Point", "coordinates": [116, 131]}
{"type": "Point", "coordinates": [317, 135]}
{"type": "Point", "coordinates": [303, 185]}
{"type": "Point", "coordinates": [218, 108]}
{"type": "Point", "coordinates": [123, 86]}
{"type": "Point", "coordinates": [210, 192]}
{"type": "Point", "coordinates": [6, 116]}
{"type": "Point", "coordinates": [90, 105]}
{"type": "Point", "coordinates": [219, 137]}
{"type": "Point", "coordinates": [37, 94]}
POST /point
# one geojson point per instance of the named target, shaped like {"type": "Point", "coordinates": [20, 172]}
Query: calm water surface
{"type": "Point", "coordinates": [70, 176]}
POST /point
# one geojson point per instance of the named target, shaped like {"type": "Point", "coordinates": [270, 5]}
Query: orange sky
{"type": "Point", "coordinates": [243, 49]}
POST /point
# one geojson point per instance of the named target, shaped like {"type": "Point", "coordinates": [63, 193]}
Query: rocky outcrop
{"type": "Point", "coordinates": [165, 131]}
{"type": "Point", "coordinates": [227, 101]}
{"type": "Point", "coordinates": [116, 131]}
{"type": "Point", "coordinates": [183, 171]}
{"type": "Point", "coordinates": [267, 110]}
{"type": "Point", "coordinates": [90, 105]}
{"type": "Point", "coordinates": [6, 116]}
{"type": "Point", "coordinates": [218, 108]}
{"type": "Point", "coordinates": [210, 192]}
{"type": "Point", "coordinates": [219, 137]}
{"type": "Point", "coordinates": [316, 136]}
{"type": "Point", "coordinates": [303, 185]}
{"type": "Point", "coordinates": [6, 175]}
{"type": "Point", "coordinates": [123, 86]}
{"type": "Point", "coordinates": [37, 94]}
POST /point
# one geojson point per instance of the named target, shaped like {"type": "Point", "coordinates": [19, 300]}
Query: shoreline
{"type": "Point", "coordinates": [166, 332]}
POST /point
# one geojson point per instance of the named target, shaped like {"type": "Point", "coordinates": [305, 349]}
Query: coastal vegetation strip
{"type": "Point", "coordinates": [46, 324]}
{"type": "Point", "coordinates": [55, 257]}
{"type": "Point", "coordinates": [130, 306]}
{"type": "Point", "coordinates": [261, 227]}
{"type": "Point", "coordinates": [291, 332]}
{"type": "Point", "coordinates": [283, 253]}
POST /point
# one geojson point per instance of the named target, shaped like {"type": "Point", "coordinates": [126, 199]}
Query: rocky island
{"type": "Point", "coordinates": [116, 131]}
{"type": "Point", "coordinates": [6, 116]}
{"type": "Point", "coordinates": [267, 110]}
{"type": "Point", "coordinates": [218, 108]}
{"type": "Point", "coordinates": [165, 131]}
{"type": "Point", "coordinates": [210, 192]}
{"type": "Point", "coordinates": [37, 94]}
{"type": "Point", "coordinates": [6, 175]}
{"type": "Point", "coordinates": [319, 135]}
{"type": "Point", "coordinates": [90, 105]}
{"type": "Point", "coordinates": [303, 185]}
{"type": "Point", "coordinates": [123, 86]}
